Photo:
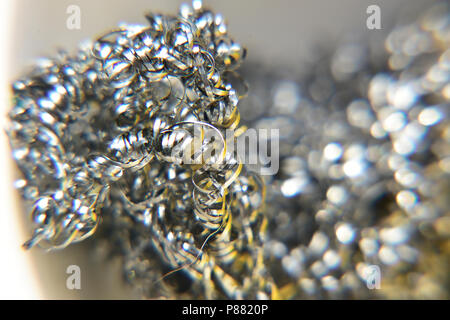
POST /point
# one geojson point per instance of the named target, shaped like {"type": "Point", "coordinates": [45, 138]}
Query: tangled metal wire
{"type": "Point", "coordinates": [134, 124]}
{"type": "Point", "coordinates": [131, 131]}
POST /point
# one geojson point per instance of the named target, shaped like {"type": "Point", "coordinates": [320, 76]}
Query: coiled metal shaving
{"type": "Point", "coordinates": [134, 124]}
{"type": "Point", "coordinates": [111, 134]}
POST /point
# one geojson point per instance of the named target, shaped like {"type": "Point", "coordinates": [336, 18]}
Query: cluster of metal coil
{"type": "Point", "coordinates": [132, 128]}
{"type": "Point", "coordinates": [131, 131]}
